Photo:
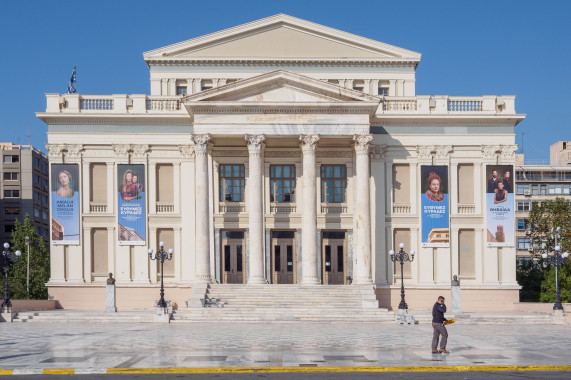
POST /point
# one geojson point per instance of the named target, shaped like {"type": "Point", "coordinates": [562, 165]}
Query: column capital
{"type": "Point", "coordinates": [362, 143]}
{"type": "Point", "coordinates": [140, 150]}
{"type": "Point", "coordinates": [74, 151]}
{"type": "Point", "coordinates": [424, 152]}
{"type": "Point", "coordinates": [443, 152]}
{"type": "Point", "coordinates": [490, 153]}
{"type": "Point", "coordinates": [255, 143]}
{"type": "Point", "coordinates": [507, 155]}
{"type": "Point", "coordinates": [122, 150]}
{"type": "Point", "coordinates": [308, 143]}
{"type": "Point", "coordinates": [187, 151]}
{"type": "Point", "coordinates": [201, 143]}
{"type": "Point", "coordinates": [55, 151]}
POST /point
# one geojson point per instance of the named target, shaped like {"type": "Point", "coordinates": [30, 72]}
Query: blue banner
{"type": "Point", "coordinates": [65, 204]}
{"type": "Point", "coordinates": [131, 203]}
{"type": "Point", "coordinates": [435, 216]}
{"type": "Point", "coordinates": [500, 217]}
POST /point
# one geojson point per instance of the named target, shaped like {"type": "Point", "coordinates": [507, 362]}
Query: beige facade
{"type": "Point", "coordinates": [281, 151]}
{"type": "Point", "coordinates": [24, 176]}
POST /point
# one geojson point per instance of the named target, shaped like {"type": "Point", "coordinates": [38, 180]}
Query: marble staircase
{"type": "Point", "coordinates": [236, 302]}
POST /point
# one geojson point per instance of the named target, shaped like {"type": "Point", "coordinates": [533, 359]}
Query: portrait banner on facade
{"type": "Point", "coordinates": [500, 206]}
{"type": "Point", "coordinates": [435, 218]}
{"type": "Point", "coordinates": [131, 214]}
{"type": "Point", "coordinates": [65, 204]}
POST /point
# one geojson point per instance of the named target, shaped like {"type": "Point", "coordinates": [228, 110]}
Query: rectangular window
{"type": "Point", "coordinates": [9, 158]}
{"type": "Point", "coordinates": [44, 166]}
{"type": "Point", "coordinates": [36, 178]}
{"type": "Point", "coordinates": [45, 199]}
{"type": "Point", "coordinates": [44, 215]}
{"type": "Point", "coordinates": [36, 213]}
{"type": "Point", "coordinates": [523, 243]}
{"type": "Point", "coordinates": [11, 193]}
{"type": "Point", "coordinates": [181, 90]}
{"type": "Point", "coordinates": [37, 196]}
{"type": "Point", "coordinates": [45, 183]}
{"type": "Point", "coordinates": [232, 181]}
{"type": "Point", "coordinates": [12, 211]}
{"type": "Point", "coordinates": [10, 176]}
{"type": "Point", "coordinates": [282, 183]}
{"type": "Point", "coordinates": [359, 85]}
{"type": "Point", "coordinates": [333, 183]}
{"type": "Point", "coordinates": [383, 88]}
{"type": "Point", "coordinates": [36, 161]}
{"type": "Point", "coordinates": [522, 224]}
{"type": "Point", "coordinates": [522, 189]}
{"type": "Point", "coordinates": [523, 206]}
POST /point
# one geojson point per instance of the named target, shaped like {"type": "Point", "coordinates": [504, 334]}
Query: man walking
{"type": "Point", "coordinates": [438, 320]}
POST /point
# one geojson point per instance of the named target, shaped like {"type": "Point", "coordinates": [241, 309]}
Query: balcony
{"type": "Point", "coordinates": [466, 209]}
{"type": "Point", "coordinates": [232, 207]}
{"type": "Point", "coordinates": [401, 208]}
{"type": "Point", "coordinates": [283, 208]}
{"type": "Point", "coordinates": [333, 208]}
{"type": "Point", "coordinates": [97, 208]}
{"type": "Point", "coordinates": [114, 104]}
{"type": "Point", "coordinates": [165, 208]}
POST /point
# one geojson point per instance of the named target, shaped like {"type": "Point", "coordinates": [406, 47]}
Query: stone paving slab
{"type": "Point", "coordinates": [98, 347]}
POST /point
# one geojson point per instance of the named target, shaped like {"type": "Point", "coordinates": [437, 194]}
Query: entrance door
{"type": "Point", "coordinates": [284, 267]}
{"type": "Point", "coordinates": [233, 259]}
{"type": "Point", "coordinates": [334, 259]}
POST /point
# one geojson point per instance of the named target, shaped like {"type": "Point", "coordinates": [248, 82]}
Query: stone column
{"type": "Point", "coordinates": [362, 214]}
{"type": "Point", "coordinates": [255, 210]}
{"type": "Point", "coordinates": [309, 216]}
{"type": "Point", "coordinates": [202, 241]}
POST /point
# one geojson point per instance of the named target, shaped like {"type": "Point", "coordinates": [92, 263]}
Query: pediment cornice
{"type": "Point", "coordinates": [376, 50]}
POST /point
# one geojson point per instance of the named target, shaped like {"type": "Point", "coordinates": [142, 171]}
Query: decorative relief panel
{"type": "Point", "coordinates": [424, 152]}
{"type": "Point", "coordinates": [334, 154]}
{"type": "Point", "coordinates": [187, 151]}
{"type": "Point", "coordinates": [55, 151]}
{"type": "Point", "coordinates": [378, 151]}
{"type": "Point", "coordinates": [140, 151]}
{"type": "Point", "coordinates": [74, 151]}
{"type": "Point", "coordinates": [443, 152]}
{"type": "Point", "coordinates": [283, 154]}
{"type": "Point", "coordinates": [489, 152]}
{"type": "Point", "coordinates": [508, 153]}
{"type": "Point", "coordinates": [122, 150]}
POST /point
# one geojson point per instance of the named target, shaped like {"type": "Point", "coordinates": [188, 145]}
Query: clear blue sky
{"type": "Point", "coordinates": [469, 48]}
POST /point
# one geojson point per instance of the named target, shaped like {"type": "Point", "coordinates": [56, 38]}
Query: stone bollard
{"type": "Point", "coordinates": [6, 315]}
{"type": "Point", "coordinates": [456, 306]}
{"type": "Point", "coordinates": [110, 299]}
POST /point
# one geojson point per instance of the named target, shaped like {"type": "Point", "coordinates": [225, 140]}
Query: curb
{"type": "Point", "coordinates": [176, 370]}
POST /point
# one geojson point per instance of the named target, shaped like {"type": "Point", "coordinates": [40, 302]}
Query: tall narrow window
{"type": "Point", "coordinates": [282, 183]}
{"type": "Point", "coordinates": [232, 181]}
{"type": "Point", "coordinates": [333, 183]}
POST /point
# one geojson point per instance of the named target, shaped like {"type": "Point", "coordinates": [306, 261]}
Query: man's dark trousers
{"type": "Point", "coordinates": [439, 329]}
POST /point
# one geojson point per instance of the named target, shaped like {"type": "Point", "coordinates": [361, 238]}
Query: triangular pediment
{"type": "Point", "coordinates": [281, 86]}
{"type": "Point", "coordinates": [281, 37]}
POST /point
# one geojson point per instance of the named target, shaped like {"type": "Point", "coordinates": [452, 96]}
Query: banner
{"type": "Point", "coordinates": [434, 205]}
{"type": "Point", "coordinates": [131, 214]}
{"type": "Point", "coordinates": [500, 219]}
{"type": "Point", "coordinates": [65, 204]}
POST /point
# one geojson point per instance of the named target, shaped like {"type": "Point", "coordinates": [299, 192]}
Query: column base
{"type": "Point", "coordinates": [362, 281]}
{"type": "Point", "coordinates": [256, 281]}
{"type": "Point", "coordinates": [310, 281]}
{"type": "Point", "coordinates": [203, 279]}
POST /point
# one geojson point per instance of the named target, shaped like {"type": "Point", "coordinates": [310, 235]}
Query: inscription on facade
{"type": "Point", "coordinates": [272, 117]}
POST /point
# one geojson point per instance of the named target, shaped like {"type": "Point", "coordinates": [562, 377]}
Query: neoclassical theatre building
{"type": "Point", "coordinates": [280, 152]}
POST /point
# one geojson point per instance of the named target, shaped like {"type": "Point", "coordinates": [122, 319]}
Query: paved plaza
{"type": "Point", "coordinates": [100, 346]}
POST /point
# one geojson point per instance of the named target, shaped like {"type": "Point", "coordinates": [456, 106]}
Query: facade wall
{"type": "Point", "coordinates": [295, 173]}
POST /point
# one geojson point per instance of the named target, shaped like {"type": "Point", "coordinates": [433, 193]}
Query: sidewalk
{"type": "Point", "coordinates": [99, 347]}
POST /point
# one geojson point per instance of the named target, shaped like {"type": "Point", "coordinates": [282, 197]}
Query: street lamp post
{"type": "Point", "coordinates": [162, 255]}
{"type": "Point", "coordinates": [402, 256]}
{"type": "Point", "coordinates": [28, 268]}
{"type": "Point", "coordinates": [556, 259]}
{"type": "Point", "coordinates": [7, 260]}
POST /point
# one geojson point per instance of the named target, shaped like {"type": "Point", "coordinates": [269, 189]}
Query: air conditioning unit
{"type": "Point", "coordinates": [527, 192]}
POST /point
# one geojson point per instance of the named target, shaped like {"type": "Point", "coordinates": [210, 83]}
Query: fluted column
{"type": "Point", "coordinates": [309, 216]}
{"type": "Point", "coordinates": [362, 215]}
{"type": "Point", "coordinates": [256, 273]}
{"type": "Point", "coordinates": [202, 241]}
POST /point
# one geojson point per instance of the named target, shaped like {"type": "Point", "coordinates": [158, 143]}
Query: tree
{"type": "Point", "coordinates": [39, 263]}
{"type": "Point", "coordinates": [544, 219]}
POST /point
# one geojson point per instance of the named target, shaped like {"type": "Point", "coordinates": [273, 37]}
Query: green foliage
{"type": "Point", "coordinates": [548, 284]}
{"type": "Point", "coordinates": [543, 220]}
{"type": "Point", "coordinates": [39, 263]}
{"type": "Point", "coordinates": [529, 276]}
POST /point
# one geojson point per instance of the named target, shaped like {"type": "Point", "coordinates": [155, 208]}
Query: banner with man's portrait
{"type": "Point", "coordinates": [500, 208]}
{"type": "Point", "coordinates": [65, 204]}
{"type": "Point", "coordinates": [131, 212]}
{"type": "Point", "coordinates": [434, 205]}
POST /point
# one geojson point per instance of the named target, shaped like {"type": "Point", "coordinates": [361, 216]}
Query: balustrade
{"type": "Point", "coordinates": [97, 208]}
{"type": "Point", "coordinates": [401, 208]}
{"type": "Point", "coordinates": [165, 208]}
{"type": "Point", "coordinates": [96, 104]}
{"type": "Point", "coordinates": [399, 104]}
{"type": "Point", "coordinates": [465, 105]}
{"type": "Point", "coordinates": [333, 208]}
{"type": "Point", "coordinates": [466, 209]}
{"type": "Point", "coordinates": [162, 104]}
{"type": "Point", "coordinates": [232, 207]}
{"type": "Point", "coordinates": [282, 209]}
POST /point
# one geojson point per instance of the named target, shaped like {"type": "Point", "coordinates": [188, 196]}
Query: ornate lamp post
{"type": "Point", "coordinates": [5, 262]}
{"type": "Point", "coordinates": [402, 256]}
{"type": "Point", "coordinates": [28, 268]}
{"type": "Point", "coordinates": [162, 255]}
{"type": "Point", "coordinates": [556, 259]}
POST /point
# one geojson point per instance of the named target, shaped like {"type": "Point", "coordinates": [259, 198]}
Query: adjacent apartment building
{"type": "Point", "coordinates": [25, 189]}
{"type": "Point", "coordinates": [282, 152]}
{"type": "Point", "coordinates": [537, 183]}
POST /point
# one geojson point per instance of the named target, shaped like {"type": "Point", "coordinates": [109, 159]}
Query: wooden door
{"type": "Point", "coordinates": [334, 261]}
{"type": "Point", "coordinates": [283, 261]}
{"type": "Point", "coordinates": [232, 261]}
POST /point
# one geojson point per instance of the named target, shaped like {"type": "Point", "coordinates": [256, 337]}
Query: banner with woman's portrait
{"type": "Point", "coordinates": [500, 219]}
{"type": "Point", "coordinates": [65, 204]}
{"type": "Point", "coordinates": [131, 212]}
{"type": "Point", "coordinates": [434, 206]}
